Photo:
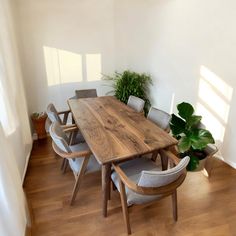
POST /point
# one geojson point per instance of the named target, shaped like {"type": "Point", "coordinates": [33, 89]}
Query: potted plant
{"type": "Point", "coordinates": [130, 83]}
{"type": "Point", "coordinates": [39, 120]}
{"type": "Point", "coordinates": [193, 138]}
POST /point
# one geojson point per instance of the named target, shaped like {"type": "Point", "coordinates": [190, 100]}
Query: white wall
{"type": "Point", "coordinates": [178, 42]}
{"type": "Point", "coordinates": [56, 36]}
{"type": "Point", "coordinates": [173, 40]}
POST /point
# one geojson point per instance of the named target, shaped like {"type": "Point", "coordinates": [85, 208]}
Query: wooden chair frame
{"type": "Point", "coordinates": [167, 190]}
{"type": "Point", "coordinates": [78, 176]}
{"type": "Point", "coordinates": [73, 129]}
{"type": "Point", "coordinates": [65, 116]}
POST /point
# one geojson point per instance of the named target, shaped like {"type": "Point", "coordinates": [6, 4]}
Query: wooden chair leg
{"type": "Point", "coordinates": [65, 166]}
{"type": "Point", "coordinates": [72, 137]}
{"type": "Point", "coordinates": [78, 179]}
{"type": "Point", "coordinates": [63, 163]}
{"type": "Point", "coordinates": [124, 206]}
{"type": "Point", "coordinates": [164, 162]}
{"type": "Point", "coordinates": [174, 205]}
{"type": "Point", "coordinates": [113, 186]}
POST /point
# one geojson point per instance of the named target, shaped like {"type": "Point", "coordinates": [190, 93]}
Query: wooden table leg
{"type": "Point", "coordinates": [106, 175]}
{"type": "Point", "coordinates": [164, 161]}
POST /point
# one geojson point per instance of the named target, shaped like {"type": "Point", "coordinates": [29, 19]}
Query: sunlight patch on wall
{"type": "Point", "coordinates": [62, 66]}
{"type": "Point", "coordinates": [214, 102]}
{"type": "Point", "coordinates": [93, 67]}
{"type": "Point", "coordinates": [70, 65]}
{"type": "Point", "coordinates": [219, 84]}
{"type": "Point", "coordinates": [212, 123]}
{"type": "Point", "coordinates": [67, 67]}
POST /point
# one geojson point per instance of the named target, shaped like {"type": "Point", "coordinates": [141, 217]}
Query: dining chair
{"type": "Point", "coordinates": [160, 118]}
{"type": "Point", "coordinates": [136, 103]}
{"type": "Point", "coordinates": [85, 93]}
{"type": "Point", "coordinates": [54, 115]}
{"type": "Point", "coordinates": [79, 156]}
{"type": "Point", "coordinates": [141, 181]}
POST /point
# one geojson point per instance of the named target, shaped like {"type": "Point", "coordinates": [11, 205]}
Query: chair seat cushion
{"type": "Point", "coordinates": [133, 170]}
{"type": "Point", "coordinates": [76, 163]}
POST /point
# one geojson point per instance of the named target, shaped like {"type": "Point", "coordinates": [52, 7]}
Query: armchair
{"type": "Point", "coordinates": [140, 181]}
{"type": "Point", "coordinates": [79, 156]}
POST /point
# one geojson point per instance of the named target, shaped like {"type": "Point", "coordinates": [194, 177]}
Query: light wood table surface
{"type": "Point", "coordinates": [115, 132]}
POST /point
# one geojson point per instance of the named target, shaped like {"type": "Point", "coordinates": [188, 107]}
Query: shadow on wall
{"type": "Point", "coordinates": [64, 67]}
{"type": "Point", "coordinates": [214, 100]}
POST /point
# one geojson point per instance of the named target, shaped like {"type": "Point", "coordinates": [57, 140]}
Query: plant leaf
{"type": "Point", "coordinates": [184, 144]}
{"type": "Point", "coordinates": [192, 121]}
{"type": "Point", "coordinates": [185, 110]}
{"type": "Point", "coordinates": [200, 138]}
{"type": "Point", "coordinates": [193, 163]}
{"type": "Point", "coordinates": [177, 125]}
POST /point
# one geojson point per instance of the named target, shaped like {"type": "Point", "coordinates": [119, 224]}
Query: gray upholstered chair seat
{"type": "Point", "coordinates": [144, 177]}
{"type": "Point", "coordinates": [76, 163]}
{"type": "Point", "coordinates": [146, 173]}
{"type": "Point", "coordinates": [133, 169]}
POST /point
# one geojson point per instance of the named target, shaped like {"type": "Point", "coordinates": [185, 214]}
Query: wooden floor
{"type": "Point", "coordinates": [206, 206]}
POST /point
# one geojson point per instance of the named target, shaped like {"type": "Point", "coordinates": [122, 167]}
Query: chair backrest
{"type": "Point", "coordinates": [53, 114]}
{"type": "Point", "coordinates": [162, 178]}
{"type": "Point", "coordinates": [159, 117]}
{"type": "Point", "coordinates": [86, 93]}
{"type": "Point", "coordinates": [136, 103]}
{"type": "Point", "coordinates": [59, 137]}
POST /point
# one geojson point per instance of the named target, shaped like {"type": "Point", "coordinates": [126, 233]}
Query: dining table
{"type": "Point", "coordinates": [115, 132]}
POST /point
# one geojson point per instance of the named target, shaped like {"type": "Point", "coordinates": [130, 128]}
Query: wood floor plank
{"type": "Point", "coordinates": [206, 206]}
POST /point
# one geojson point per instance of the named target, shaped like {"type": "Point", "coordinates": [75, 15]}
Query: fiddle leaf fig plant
{"type": "Point", "coordinates": [192, 138]}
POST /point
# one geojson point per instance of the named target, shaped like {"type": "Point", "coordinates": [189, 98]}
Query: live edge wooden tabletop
{"type": "Point", "coordinates": [114, 131]}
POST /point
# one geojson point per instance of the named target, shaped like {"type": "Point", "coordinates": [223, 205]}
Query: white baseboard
{"type": "Point", "coordinates": [35, 136]}
{"type": "Point", "coordinates": [231, 163]}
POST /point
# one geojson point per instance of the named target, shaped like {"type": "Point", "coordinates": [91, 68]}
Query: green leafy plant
{"type": "Point", "coordinates": [192, 138]}
{"type": "Point", "coordinates": [38, 115]}
{"type": "Point", "coordinates": [130, 83]}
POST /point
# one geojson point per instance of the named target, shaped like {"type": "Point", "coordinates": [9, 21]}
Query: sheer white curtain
{"type": "Point", "coordinates": [15, 135]}
{"type": "Point", "coordinates": [13, 107]}
{"type": "Point", "coordinates": [12, 201]}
